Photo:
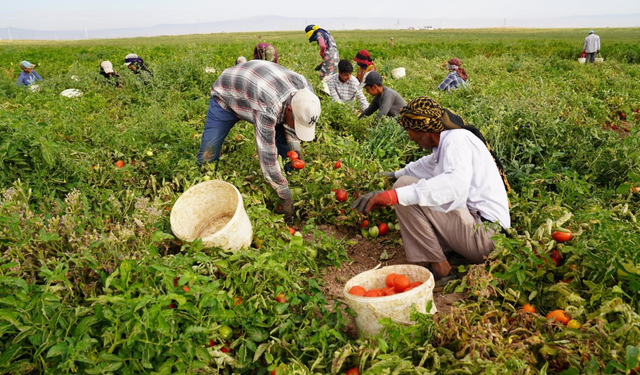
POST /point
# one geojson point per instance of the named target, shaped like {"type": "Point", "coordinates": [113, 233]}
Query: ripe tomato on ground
{"type": "Point", "coordinates": [298, 164]}
{"type": "Point", "coordinates": [341, 195]}
{"type": "Point", "coordinates": [119, 164]}
{"type": "Point", "coordinates": [383, 228]}
{"type": "Point", "coordinates": [337, 165]}
{"type": "Point", "coordinates": [357, 290]}
{"type": "Point", "coordinates": [529, 308]}
{"type": "Point", "coordinates": [562, 236]}
{"type": "Point", "coordinates": [292, 231]}
{"type": "Point", "coordinates": [293, 155]}
{"type": "Point", "coordinates": [364, 224]}
{"type": "Point", "coordinates": [281, 298]}
{"type": "Point", "coordinates": [559, 316]}
{"type": "Point", "coordinates": [352, 371]}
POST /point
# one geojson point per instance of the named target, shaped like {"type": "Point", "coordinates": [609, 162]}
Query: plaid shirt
{"type": "Point", "coordinates": [451, 82]}
{"type": "Point", "coordinates": [346, 92]}
{"type": "Point", "coordinates": [257, 92]}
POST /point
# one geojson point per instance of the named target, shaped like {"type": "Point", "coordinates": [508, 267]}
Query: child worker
{"type": "Point", "coordinates": [385, 100]}
{"type": "Point", "coordinates": [344, 87]}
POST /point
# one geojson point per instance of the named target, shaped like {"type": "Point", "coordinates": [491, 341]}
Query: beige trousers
{"type": "Point", "coordinates": [427, 233]}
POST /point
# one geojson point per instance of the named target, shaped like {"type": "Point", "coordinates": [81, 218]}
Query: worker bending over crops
{"type": "Point", "coordinates": [457, 75]}
{"type": "Point", "coordinates": [455, 198]}
{"type": "Point", "coordinates": [385, 100]}
{"type": "Point", "coordinates": [328, 50]}
{"type": "Point", "coordinates": [28, 76]}
{"type": "Point", "coordinates": [345, 88]}
{"type": "Point", "coordinates": [266, 52]}
{"type": "Point", "coordinates": [137, 66]}
{"type": "Point", "coordinates": [279, 103]}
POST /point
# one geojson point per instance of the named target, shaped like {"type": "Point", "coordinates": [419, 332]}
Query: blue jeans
{"type": "Point", "coordinates": [218, 124]}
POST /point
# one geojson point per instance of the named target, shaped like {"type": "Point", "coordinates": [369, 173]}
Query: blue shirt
{"type": "Point", "coordinates": [26, 79]}
{"type": "Point", "coordinates": [451, 82]}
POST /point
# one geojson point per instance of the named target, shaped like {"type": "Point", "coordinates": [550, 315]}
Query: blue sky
{"type": "Point", "coordinates": [76, 14]}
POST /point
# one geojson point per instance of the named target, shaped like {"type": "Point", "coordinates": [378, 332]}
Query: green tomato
{"type": "Point", "coordinates": [390, 226]}
{"type": "Point", "coordinates": [296, 191]}
{"type": "Point", "coordinates": [206, 178]}
{"type": "Point", "coordinates": [149, 153]}
{"type": "Point", "coordinates": [365, 233]}
{"type": "Point", "coordinates": [381, 185]}
{"type": "Point", "coordinates": [312, 253]}
{"type": "Point", "coordinates": [297, 233]}
{"type": "Point", "coordinates": [225, 332]}
{"type": "Point", "coordinates": [373, 231]}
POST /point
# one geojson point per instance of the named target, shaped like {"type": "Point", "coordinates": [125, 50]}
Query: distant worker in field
{"type": "Point", "coordinates": [385, 100]}
{"type": "Point", "coordinates": [345, 88]}
{"type": "Point", "coordinates": [28, 76]}
{"type": "Point", "coordinates": [591, 46]}
{"type": "Point", "coordinates": [137, 66]}
{"type": "Point", "coordinates": [266, 52]}
{"type": "Point", "coordinates": [455, 198]}
{"type": "Point", "coordinates": [365, 64]}
{"type": "Point", "coordinates": [279, 103]}
{"type": "Point", "coordinates": [457, 75]}
{"type": "Point", "coordinates": [328, 50]}
{"type": "Point", "coordinates": [109, 75]}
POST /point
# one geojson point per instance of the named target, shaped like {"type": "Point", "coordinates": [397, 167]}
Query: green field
{"type": "Point", "coordinates": [93, 281]}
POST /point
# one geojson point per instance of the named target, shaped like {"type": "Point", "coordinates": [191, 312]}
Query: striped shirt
{"type": "Point", "coordinates": [346, 92]}
{"type": "Point", "coordinates": [451, 82]}
{"type": "Point", "coordinates": [257, 92]}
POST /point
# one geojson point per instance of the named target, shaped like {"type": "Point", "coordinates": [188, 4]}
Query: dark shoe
{"type": "Point", "coordinates": [456, 259]}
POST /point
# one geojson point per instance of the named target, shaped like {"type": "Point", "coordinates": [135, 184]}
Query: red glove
{"type": "Point", "coordinates": [366, 203]}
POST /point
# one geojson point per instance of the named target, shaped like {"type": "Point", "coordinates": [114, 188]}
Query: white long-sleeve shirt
{"type": "Point", "coordinates": [591, 43]}
{"type": "Point", "coordinates": [459, 173]}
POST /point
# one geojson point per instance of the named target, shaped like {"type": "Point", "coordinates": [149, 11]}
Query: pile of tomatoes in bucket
{"type": "Point", "coordinates": [395, 284]}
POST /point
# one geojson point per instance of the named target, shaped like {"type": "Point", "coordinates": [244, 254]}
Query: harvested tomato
{"type": "Point", "coordinates": [281, 298]}
{"type": "Point", "coordinates": [293, 155]}
{"type": "Point", "coordinates": [374, 293]}
{"type": "Point", "coordinates": [364, 224]}
{"type": "Point", "coordinates": [298, 164]}
{"type": "Point", "coordinates": [341, 195]}
{"type": "Point", "coordinates": [383, 228]}
{"type": "Point", "coordinates": [559, 316]}
{"type": "Point", "coordinates": [358, 291]}
{"type": "Point", "coordinates": [415, 284]}
{"type": "Point", "coordinates": [389, 291]}
{"type": "Point", "coordinates": [562, 236]}
{"type": "Point", "coordinates": [400, 283]}
{"type": "Point", "coordinates": [529, 308]}
{"type": "Point", "coordinates": [119, 164]}
{"type": "Point", "coordinates": [292, 231]}
{"type": "Point", "coordinates": [353, 371]}
{"type": "Point", "coordinates": [389, 279]}
{"type": "Point", "coordinates": [337, 165]}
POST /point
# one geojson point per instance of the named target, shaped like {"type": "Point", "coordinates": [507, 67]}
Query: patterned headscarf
{"type": "Point", "coordinates": [456, 64]}
{"type": "Point", "coordinates": [425, 115]}
{"type": "Point", "coordinates": [312, 33]}
{"type": "Point", "coordinates": [265, 51]}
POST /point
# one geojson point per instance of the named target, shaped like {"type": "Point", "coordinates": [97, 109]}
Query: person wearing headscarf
{"type": "Point", "coordinates": [109, 75]}
{"type": "Point", "coordinates": [28, 76]}
{"type": "Point", "coordinates": [137, 66]}
{"type": "Point", "coordinates": [591, 46]}
{"type": "Point", "coordinates": [454, 199]}
{"type": "Point", "coordinates": [365, 64]}
{"type": "Point", "coordinates": [328, 50]}
{"type": "Point", "coordinates": [457, 75]}
{"type": "Point", "coordinates": [265, 51]}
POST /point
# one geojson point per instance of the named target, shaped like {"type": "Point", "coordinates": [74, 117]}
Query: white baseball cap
{"type": "Point", "coordinates": [130, 56]}
{"type": "Point", "coordinates": [107, 66]}
{"type": "Point", "coordinates": [306, 111]}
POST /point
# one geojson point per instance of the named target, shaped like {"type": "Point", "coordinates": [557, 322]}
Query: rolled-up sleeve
{"type": "Point", "coordinates": [268, 153]}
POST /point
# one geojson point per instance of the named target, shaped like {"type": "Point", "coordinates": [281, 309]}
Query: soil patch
{"type": "Point", "coordinates": [365, 254]}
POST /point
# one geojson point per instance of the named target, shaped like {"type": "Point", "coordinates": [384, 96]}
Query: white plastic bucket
{"type": "Point", "coordinates": [582, 60]}
{"type": "Point", "coordinates": [599, 59]}
{"type": "Point", "coordinates": [212, 210]}
{"type": "Point", "coordinates": [398, 73]}
{"type": "Point", "coordinates": [71, 93]}
{"type": "Point", "coordinates": [398, 306]}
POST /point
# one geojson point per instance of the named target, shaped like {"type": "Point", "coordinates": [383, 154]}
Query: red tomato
{"type": "Point", "coordinates": [389, 291]}
{"type": "Point", "coordinates": [292, 231]}
{"type": "Point", "coordinates": [389, 279]}
{"type": "Point", "coordinates": [353, 371]}
{"type": "Point", "coordinates": [175, 281]}
{"type": "Point", "coordinates": [372, 293]}
{"type": "Point", "coordinates": [383, 228]}
{"type": "Point", "coordinates": [555, 255]}
{"type": "Point", "coordinates": [185, 288]}
{"type": "Point", "coordinates": [119, 164]}
{"type": "Point", "coordinates": [364, 224]}
{"type": "Point", "coordinates": [562, 236]}
{"type": "Point", "coordinates": [293, 155]}
{"type": "Point", "coordinates": [357, 290]}
{"type": "Point", "coordinates": [337, 165]}
{"type": "Point", "coordinates": [415, 284]}
{"type": "Point", "coordinates": [341, 195]}
{"type": "Point", "coordinates": [281, 298]}
{"type": "Point", "coordinates": [298, 164]}
{"type": "Point", "coordinates": [400, 283]}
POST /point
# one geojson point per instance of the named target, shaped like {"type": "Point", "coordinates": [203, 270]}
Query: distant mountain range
{"type": "Point", "coordinates": [277, 23]}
